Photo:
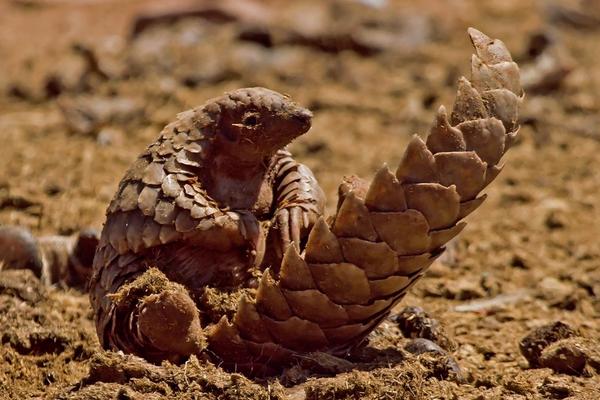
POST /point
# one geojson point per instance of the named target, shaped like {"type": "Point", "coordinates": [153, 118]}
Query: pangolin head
{"type": "Point", "coordinates": [256, 122]}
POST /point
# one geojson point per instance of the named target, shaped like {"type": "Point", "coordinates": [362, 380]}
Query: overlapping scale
{"type": "Point", "coordinates": [439, 204]}
{"type": "Point", "coordinates": [468, 104]}
{"type": "Point", "coordinates": [249, 322]}
{"type": "Point", "coordinates": [467, 207]}
{"type": "Point", "coordinates": [382, 288]}
{"type": "Point", "coordinates": [417, 164]}
{"type": "Point", "coordinates": [153, 174]}
{"type": "Point", "coordinates": [440, 237]}
{"type": "Point", "coordinates": [344, 283]}
{"type": "Point", "coordinates": [170, 186]}
{"type": "Point", "coordinates": [378, 260]}
{"type": "Point", "coordinates": [405, 232]}
{"type": "Point", "coordinates": [128, 197]}
{"type": "Point", "coordinates": [352, 220]}
{"type": "Point", "coordinates": [147, 200]}
{"type": "Point", "coordinates": [345, 333]}
{"type": "Point", "coordinates": [225, 340]}
{"type": "Point", "coordinates": [150, 233]}
{"type": "Point", "coordinates": [135, 226]}
{"type": "Point", "coordinates": [504, 105]}
{"type": "Point", "coordinates": [116, 231]}
{"type": "Point", "coordinates": [443, 136]}
{"type": "Point", "coordinates": [270, 300]}
{"type": "Point", "coordinates": [313, 305]}
{"type": "Point", "coordinates": [485, 137]}
{"type": "Point", "coordinates": [463, 169]}
{"type": "Point", "coordinates": [297, 334]}
{"type": "Point", "coordinates": [385, 192]}
{"type": "Point", "coordinates": [168, 234]}
{"type": "Point", "coordinates": [360, 312]}
{"type": "Point", "coordinates": [322, 245]}
{"type": "Point", "coordinates": [165, 212]}
{"type": "Point", "coordinates": [294, 273]}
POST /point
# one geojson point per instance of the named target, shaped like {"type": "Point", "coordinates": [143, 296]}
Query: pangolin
{"type": "Point", "coordinates": [218, 201]}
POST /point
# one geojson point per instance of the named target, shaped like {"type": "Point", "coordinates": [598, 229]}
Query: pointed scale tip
{"type": "Point", "coordinates": [478, 37]}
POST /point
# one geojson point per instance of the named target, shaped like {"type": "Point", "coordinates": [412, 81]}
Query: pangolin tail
{"type": "Point", "coordinates": [385, 233]}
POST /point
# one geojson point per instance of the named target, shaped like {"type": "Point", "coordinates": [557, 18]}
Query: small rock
{"type": "Point", "coordinates": [465, 290]}
{"type": "Point", "coordinates": [524, 384]}
{"type": "Point", "coordinates": [549, 65]}
{"type": "Point", "coordinates": [556, 219]}
{"type": "Point", "coordinates": [414, 322]}
{"type": "Point", "coordinates": [53, 189]}
{"type": "Point", "coordinates": [558, 294]}
{"type": "Point", "coordinates": [551, 284]}
{"type": "Point", "coordinates": [440, 364]}
{"type": "Point", "coordinates": [520, 260]}
{"type": "Point", "coordinates": [19, 250]}
{"type": "Point", "coordinates": [294, 375]}
{"type": "Point", "coordinates": [556, 390]}
{"type": "Point", "coordinates": [18, 202]}
{"type": "Point", "coordinates": [593, 356]}
{"type": "Point", "coordinates": [517, 386]}
{"type": "Point", "coordinates": [324, 363]}
{"type": "Point", "coordinates": [564, 357]}
{"type": "Point", "coordinates": [535, 342]}
{"type": "Point", "coordinates": [420, 346]}
{"type": "Point", "coordinates": [109, 136]}
{"type": "Point", "coordinates": [63, 260]}
{"type": "Point", "coordinates": [86, 115]}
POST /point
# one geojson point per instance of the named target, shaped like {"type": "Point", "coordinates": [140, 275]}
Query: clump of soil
{"type": "Point", "coordinates": [536, 341]}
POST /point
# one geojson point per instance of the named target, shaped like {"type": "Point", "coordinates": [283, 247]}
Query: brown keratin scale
{"type": "Point", "coordinates": [218, 202]}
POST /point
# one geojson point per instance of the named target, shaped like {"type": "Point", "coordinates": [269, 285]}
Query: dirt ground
{"type": "Point", "coordinates": [86, 85]}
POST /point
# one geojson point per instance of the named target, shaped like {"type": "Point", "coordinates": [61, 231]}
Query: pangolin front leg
{"type": "Point", "coordinates": [300, 201]}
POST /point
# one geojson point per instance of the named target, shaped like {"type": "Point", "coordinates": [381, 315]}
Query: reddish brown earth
{"type": "Point", "coordinates": [373, 77]}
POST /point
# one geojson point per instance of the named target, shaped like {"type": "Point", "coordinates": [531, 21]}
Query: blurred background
{"type": "Point", "coordinates": [86, 85]}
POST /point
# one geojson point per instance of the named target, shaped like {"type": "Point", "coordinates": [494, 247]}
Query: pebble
{"type": "Point", "coordinates": [420, 346]}
{"type": "Point", "coordinates": [536, 341]}
{"type": "Point", "coordinates": [19, 250]}
{"type": "Point", "coordinates": [414, 322]}
{"type": "Point", "coordinates": [441, 364]}
{"type": "Point", "coordinates": [565, 357]}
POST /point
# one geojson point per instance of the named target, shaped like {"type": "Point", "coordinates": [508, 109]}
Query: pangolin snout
{"type": "Point", "coordinates": [304, 117]}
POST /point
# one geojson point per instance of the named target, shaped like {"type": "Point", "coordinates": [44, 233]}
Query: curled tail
{"type": "Point", "coordinates": [385, 234]}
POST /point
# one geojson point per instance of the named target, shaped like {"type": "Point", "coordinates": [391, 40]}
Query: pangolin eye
{"type": "Point", "coordinates": [250, 119]}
